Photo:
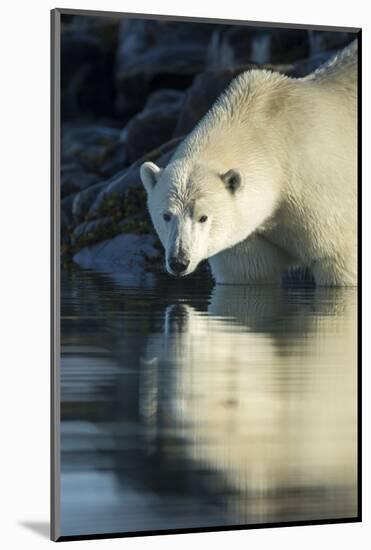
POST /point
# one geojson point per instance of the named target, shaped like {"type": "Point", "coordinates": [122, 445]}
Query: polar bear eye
{"type": "Point", "coordinates": [166, 216]}
{"type": "Point", "coordinates": [232, 180]}
{"type": "Point", "coordinates": [203, 219]}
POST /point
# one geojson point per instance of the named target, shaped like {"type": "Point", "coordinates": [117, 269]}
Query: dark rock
{"type": "Point", "coordinates": [96, 149]}
{"type": "Point", "coordinates": [102, 229]}
{"type": "Point", "coordinates": [82, 201]}
{"type": "Point", "coordinates": [88, 47]}
{"type": "Point", "coordinates": [77, 139]}
{"type": "Point", "coordinates": [104, 29]}
{"type": "Point", "coordinates": [115, 188]}
{"type": "Point", "coordinates": [164, 98]}
{"type": "Point", "coordinates": [126, 253]}
{"type": "Point", "coordinates": [286, 45]}
{"type": "Point", "coordinates": [115, 161]}
{"type": "Point", "coordinates": [78, 136]}
{"type": "Point", "coordinates": [154, 125]}
{"type": "Point", "coordinates": [104, 160]}
{"type": "Point", "coordinates": [154, 55]}
{"type": "Point", "coordinates": [74, 180]}
{"type": "Point", "coordinates": [92, 227]}
{"type": "Point", "coordinates": [66, 215]}
{"type": "Point", "coordinates": [93, 157]}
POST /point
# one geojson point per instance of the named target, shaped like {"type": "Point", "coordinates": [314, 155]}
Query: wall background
{"type": "Point", "coordinates": [25, 274]}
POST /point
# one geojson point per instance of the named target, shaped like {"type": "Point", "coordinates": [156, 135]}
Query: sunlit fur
{"type": "Point", "coordinates": [293, 142]}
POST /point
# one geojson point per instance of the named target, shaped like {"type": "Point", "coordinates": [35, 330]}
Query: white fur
{"type": "Point", "coordinates": [294, 144]}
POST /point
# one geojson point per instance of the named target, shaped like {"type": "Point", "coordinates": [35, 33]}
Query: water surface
{"type": "Point", "coordinates": [186, 405]}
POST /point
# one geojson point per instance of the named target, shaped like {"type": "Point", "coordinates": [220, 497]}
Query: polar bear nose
{"type": "Point", "coordinates": [177, 266]}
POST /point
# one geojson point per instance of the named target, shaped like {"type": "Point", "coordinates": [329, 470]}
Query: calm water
{"type": "Point", "coordinates": [188, 406]}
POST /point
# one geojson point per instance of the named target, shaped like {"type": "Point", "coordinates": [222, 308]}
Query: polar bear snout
{"type": "Point", "coordinates": [179, 246]}
{"type": "Point", "coordinates": [178, 266]}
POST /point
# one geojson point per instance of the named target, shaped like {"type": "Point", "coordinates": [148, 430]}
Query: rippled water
{"type": "Point", "coordinates": [186, 406]}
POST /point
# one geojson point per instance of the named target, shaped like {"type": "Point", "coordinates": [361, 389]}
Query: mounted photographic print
{"type": "Point", "coordinates": [205, 215]}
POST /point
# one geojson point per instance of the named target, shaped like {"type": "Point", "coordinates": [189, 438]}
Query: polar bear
{"type": "Point", "coordinates": [266, 180]}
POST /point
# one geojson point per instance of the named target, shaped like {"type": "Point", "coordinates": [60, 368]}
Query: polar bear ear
{"type": "Point", "coordinates": [149, 173]}
{"type": "Point", "coordinates": [232, 180]}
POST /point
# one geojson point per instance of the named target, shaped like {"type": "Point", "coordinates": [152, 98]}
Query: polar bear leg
{"type": "Point", "coordinates": [253, 261]}
{"type": "Point", "coordinates": [328, 272]}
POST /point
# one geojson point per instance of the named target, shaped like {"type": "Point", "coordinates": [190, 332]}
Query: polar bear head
{"type": "Point", "coordinates": [199, 210]}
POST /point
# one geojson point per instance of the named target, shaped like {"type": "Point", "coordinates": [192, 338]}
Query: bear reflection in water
{"type": "Point", "coordinates": [262, 387]}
